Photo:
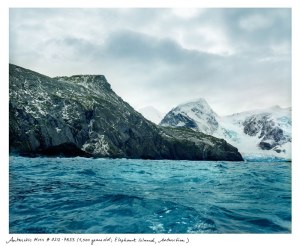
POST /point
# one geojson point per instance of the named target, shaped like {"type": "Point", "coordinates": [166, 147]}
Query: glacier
{"type": "Point", "coordinates": [261, 134]}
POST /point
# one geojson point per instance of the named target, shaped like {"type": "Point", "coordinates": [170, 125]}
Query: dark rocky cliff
{"type": "Point", "coordinates": [81, 115]}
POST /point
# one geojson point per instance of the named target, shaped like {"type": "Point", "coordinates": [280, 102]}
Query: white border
{"type": "Point", "coordinates": [206, 239]}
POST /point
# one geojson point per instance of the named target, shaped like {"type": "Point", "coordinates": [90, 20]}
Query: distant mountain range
{"type": "Point", "coordinates": [152, 114]}
{"type": "Point", "coordinates": [263, 133]}
{"type": "Point", "coordinates": [82, 116]}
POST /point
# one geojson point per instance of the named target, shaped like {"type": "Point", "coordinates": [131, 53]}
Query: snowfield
{"type": "Point", "coordinates": [258, 134]}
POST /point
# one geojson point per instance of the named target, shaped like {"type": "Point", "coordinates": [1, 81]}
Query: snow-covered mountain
{"type": "Point", "coordinates": [152, 114]}
{"type": "Point", "coordinates": [263, 133]}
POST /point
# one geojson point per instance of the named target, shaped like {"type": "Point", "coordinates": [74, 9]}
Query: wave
{"type": "Point", "coordinates": [71, 195]}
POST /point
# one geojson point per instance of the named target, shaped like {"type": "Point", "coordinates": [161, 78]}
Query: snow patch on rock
{"type": "Point", "coordinates": [263, 132]}
{"type": "Point", "coordinates": [97, 146]}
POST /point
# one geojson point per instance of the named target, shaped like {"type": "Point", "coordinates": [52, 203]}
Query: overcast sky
{"type": "Point", "coordinates": [237, 59]}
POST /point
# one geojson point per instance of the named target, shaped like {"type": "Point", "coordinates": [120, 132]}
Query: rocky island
{"type": "Point", "coordinates": [82, 116]}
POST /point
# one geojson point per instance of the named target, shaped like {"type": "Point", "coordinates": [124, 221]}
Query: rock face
{"type": "Point", "coordinates": [270, 134]}
{"type": "Point", "coordinates": [189, 142]}
{"type": "Point", "coordinates": [262, 133]}
{"type": "Point", "coordinates": [81, 115]}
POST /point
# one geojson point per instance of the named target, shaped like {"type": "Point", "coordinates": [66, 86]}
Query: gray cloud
{"type": "Point", "coordinates": [237, 59]}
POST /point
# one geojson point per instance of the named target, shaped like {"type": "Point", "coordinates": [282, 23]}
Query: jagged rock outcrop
{"type": "Point", "coordinates": [82, 115]}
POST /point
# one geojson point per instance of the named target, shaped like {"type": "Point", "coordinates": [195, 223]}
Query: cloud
{"type": "Point", "coordinates": [235, 58]}
{"type": "Point", "coordinates": [255, 22]}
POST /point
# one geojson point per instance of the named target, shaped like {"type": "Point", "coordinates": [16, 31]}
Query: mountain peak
{"type": "Point", "coordinates": [85, 76]}
{"type": "Point", "coordinates": [195, 114]}
{"type": "Point", "coordinates": [88, 81]}
{"type": "Point", "coordinates": [196, 106]}
{"type": "Point", "coordinates": [276, 107]}
{"type": "Point", "coordinates": [198, 101]}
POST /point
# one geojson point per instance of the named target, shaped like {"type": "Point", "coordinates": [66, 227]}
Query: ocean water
{"type": "Point", "coordinates": [81, 195]}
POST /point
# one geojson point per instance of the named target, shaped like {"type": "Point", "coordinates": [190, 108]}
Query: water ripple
{"type": "Point", "coordinates": [79, 195]}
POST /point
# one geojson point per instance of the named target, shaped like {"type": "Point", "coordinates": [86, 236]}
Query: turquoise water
{"type": "Point", "coordinates": [81, 195]}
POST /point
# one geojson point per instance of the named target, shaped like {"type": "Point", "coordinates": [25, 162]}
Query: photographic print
{"type": "Point", "coordinates": [150, 120]}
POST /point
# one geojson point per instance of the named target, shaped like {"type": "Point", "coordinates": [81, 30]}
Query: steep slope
{"type": "Point", "coordinates": [81, 115]}
{"type": "Point", "coordinates": [257, 134]}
